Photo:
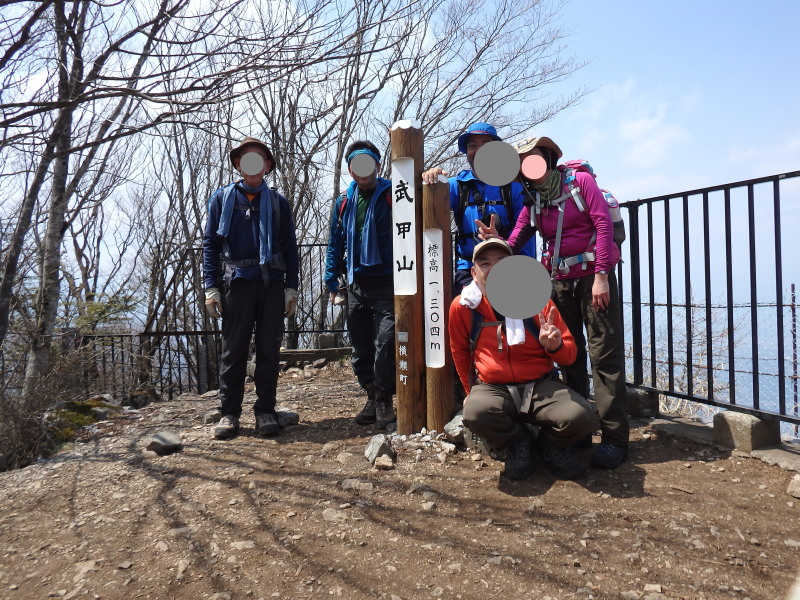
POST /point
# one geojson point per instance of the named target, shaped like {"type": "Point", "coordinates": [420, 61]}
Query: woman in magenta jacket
{"type": "Point", "coordinates": [584, 284]}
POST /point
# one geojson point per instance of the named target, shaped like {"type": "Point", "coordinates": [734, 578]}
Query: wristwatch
{"type": "Point", "coordinates": [602, 272]}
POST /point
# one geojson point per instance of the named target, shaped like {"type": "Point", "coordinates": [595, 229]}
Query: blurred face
{"type": "Point", "coordinates": [253, 164]}
{"type": "Point", "coordinates": [474, 142]}
{"type": "Point", "coordinates": [484, 263]}
{"type": "Point", "coordinates": [365, 180]}
{"type": "Point", "coordinates": [534, 165]}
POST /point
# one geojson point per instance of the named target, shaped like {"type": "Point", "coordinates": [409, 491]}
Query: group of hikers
{"type": "Point", "coordinates": [525, 395]}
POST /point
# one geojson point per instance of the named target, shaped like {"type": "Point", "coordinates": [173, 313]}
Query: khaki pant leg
{"type": "Point", "coordinates": [490, 413]}
{"type": "Point", "coordinates": [564, 416]}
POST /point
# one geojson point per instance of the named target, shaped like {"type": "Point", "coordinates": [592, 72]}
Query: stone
{"type": "Point", "coordinates": [141, 397]}
{"type": "Point", "coordinates": [165, 442]}
{"type": "Point", "coordinates": [642, 403]}
{"type": "Point", "coordinates": [210, 394]}
{"type": "Point", "coordinates": [384, 462]}
{"type": "Point", "coordinates": [100, 413]}
{"type": "Point", "coordinates": [212, 416]}
{"type": "Point", "coordinates": [244, 545]}
{"type": "Point", "coordinates": [251, 368]}
{"type": "Point", "coordinates": [357, 485]}
{"type": "Point", "coordinates": [326, 340]}
{"type": "Point", "coordinates": [334, 515]}
{"type": "Point", "coordinates": [331, 446]}
{"type": "Point", "coordinates": [455, 429]}
{"type": "Point", "coordinates": [745, 432]}
{"type": "Point", "coordinates": [319, 363]}
{"type": "Point", "coordinates": [792, 490]}
{"type": "Point", "coordinates": [378, 445]}
{"type": "Point", "coordinates": [183, 564]}
{"type": "Point", "coordinates": [287, 418]}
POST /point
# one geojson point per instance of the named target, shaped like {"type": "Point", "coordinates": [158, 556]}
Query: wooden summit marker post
{"type": "Point", "coordinates": [406, 142]}
{"type": "Point", "coordinates": [437, 282]}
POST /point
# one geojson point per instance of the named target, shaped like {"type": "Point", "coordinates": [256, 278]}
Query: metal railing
{"type": "Point", "coordinates": [707, 296]}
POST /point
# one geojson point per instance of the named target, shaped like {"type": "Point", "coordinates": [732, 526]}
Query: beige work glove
{"type": "Point", "coordinates": [289, 302]}
{"type": "Point", "coordinates": [214, 303]}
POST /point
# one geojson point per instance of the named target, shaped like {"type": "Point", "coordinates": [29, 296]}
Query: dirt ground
{"type": "Point", "coordinates": [283, 518]}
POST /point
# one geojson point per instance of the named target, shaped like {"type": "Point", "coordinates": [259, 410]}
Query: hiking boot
{"type": "Point", "coordinates": [384, 413]}
{"type": "Point", "coordinates": [609, 456]}
{"type": "Point", "coordinates": [267, 424]}
{"type": "Point", "coordinates": [519, 457]}
{"type": "Point", "coordinates": [367, 414]}
{"type": "Point", "coordinates": [563, 462]}
{"type": "Point", "coordinates": [227, 427]}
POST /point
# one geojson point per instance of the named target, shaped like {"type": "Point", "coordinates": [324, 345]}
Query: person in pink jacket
{"type": "Point", "coordinates": [581, 261]}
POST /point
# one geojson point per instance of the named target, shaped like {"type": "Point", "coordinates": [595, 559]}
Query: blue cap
{"type": "Point", "coordinates": [476, 128]}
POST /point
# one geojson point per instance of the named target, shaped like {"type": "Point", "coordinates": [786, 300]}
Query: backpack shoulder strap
{"type": "Point", "coordinates": [343, 204]}
{"type": "Point", "coordinates": [276, 206]}
{"type": "Point", "coordinates": [531, 327]}
{"type": "Point", "coordinates": [505, 194]}
{"type": "Point", "coordinates": [465, 188]}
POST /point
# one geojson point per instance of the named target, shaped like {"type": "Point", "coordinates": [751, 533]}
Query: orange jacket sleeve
{"type": "Point", "coordinates": [460, 323]}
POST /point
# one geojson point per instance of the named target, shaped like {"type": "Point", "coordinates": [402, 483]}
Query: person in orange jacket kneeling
{"type": "Point", "coordinates": [516, 383]}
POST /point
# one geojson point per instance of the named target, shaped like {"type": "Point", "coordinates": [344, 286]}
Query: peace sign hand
{"type": "Point", "coordinates": [549, 334]}
{"type": "Point", "coordinates": [487, 231]}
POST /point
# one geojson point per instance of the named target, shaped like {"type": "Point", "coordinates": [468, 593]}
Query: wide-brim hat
{"type": "Point", "coordinates": [479, 128]}
{"type": "Point", "coordinates": [251, 141]}
{"type": "Point", "coordinates": [525, 146]}
{"type": "Point", "coordinates": [491, 243]}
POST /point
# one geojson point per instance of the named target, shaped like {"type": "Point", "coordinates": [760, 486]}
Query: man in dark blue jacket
{"type": "Point", "coordinates": [471, 199]}
{"type": "Point", "coordinates": [361, 231]}
{"type": "Point", "coordinates": [250, 273]}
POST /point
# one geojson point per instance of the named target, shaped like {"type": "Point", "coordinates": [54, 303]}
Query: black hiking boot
{"type": "Point", "coordinates": [563, 462]}
{"type": "Point", "coordinates": [384, 412]}
{"type": "Point", "coordinates": [267, 424]}
{"type": "Point", "coordinates": [367, 414]}
{"type": "Point", "coordinates": [519, 457]}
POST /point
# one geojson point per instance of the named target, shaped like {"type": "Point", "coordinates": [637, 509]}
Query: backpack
{"type": "Point", "coordinates": [568, 171]}
{"type": "Point", "coordinates": [470, 187]}
{"type": "Point", "coordinates": [343, 205]}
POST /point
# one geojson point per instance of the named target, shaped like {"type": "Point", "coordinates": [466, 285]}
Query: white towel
{"type": "Point", "coordinates": [515, 329]}
{"type": "Point", "coordinates": [515, 332]}
{"type": "Point", "coordinates": [471, 295]}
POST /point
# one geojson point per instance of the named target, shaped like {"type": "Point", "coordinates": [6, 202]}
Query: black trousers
{"type": "Point", "coordinates": [248, 305]}
{"type": "Point", "coordinates": [370, 321]}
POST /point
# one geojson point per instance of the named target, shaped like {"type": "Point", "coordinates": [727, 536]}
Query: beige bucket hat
{"type": "Point", "coordinates": [525, 146]}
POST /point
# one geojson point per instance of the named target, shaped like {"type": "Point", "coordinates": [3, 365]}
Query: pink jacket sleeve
{"type": "Point", "coordinates": [523, 230]}
{"type": "Point", "coordinates": [606, 252]}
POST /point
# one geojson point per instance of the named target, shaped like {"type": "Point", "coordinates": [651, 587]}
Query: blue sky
{"type": "Point", "coordinates": [688, 94]}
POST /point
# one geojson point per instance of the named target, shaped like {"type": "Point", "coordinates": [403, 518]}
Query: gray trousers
{"type": "Point", "coordinates": [491, 413]}
{"type": "Point", "coordinates": [573, 298]}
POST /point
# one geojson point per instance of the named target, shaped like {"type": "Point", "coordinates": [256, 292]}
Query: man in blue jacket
{"type": "Point", "coordinates": [250, 274]}
{"type": "Point", "coordinates": [471, 199]}
{"type": "Point", "coordinates": [360, 245]}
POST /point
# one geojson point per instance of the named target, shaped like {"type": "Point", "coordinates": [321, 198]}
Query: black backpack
{"type": "Point", "coordinates": [469, 188]}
